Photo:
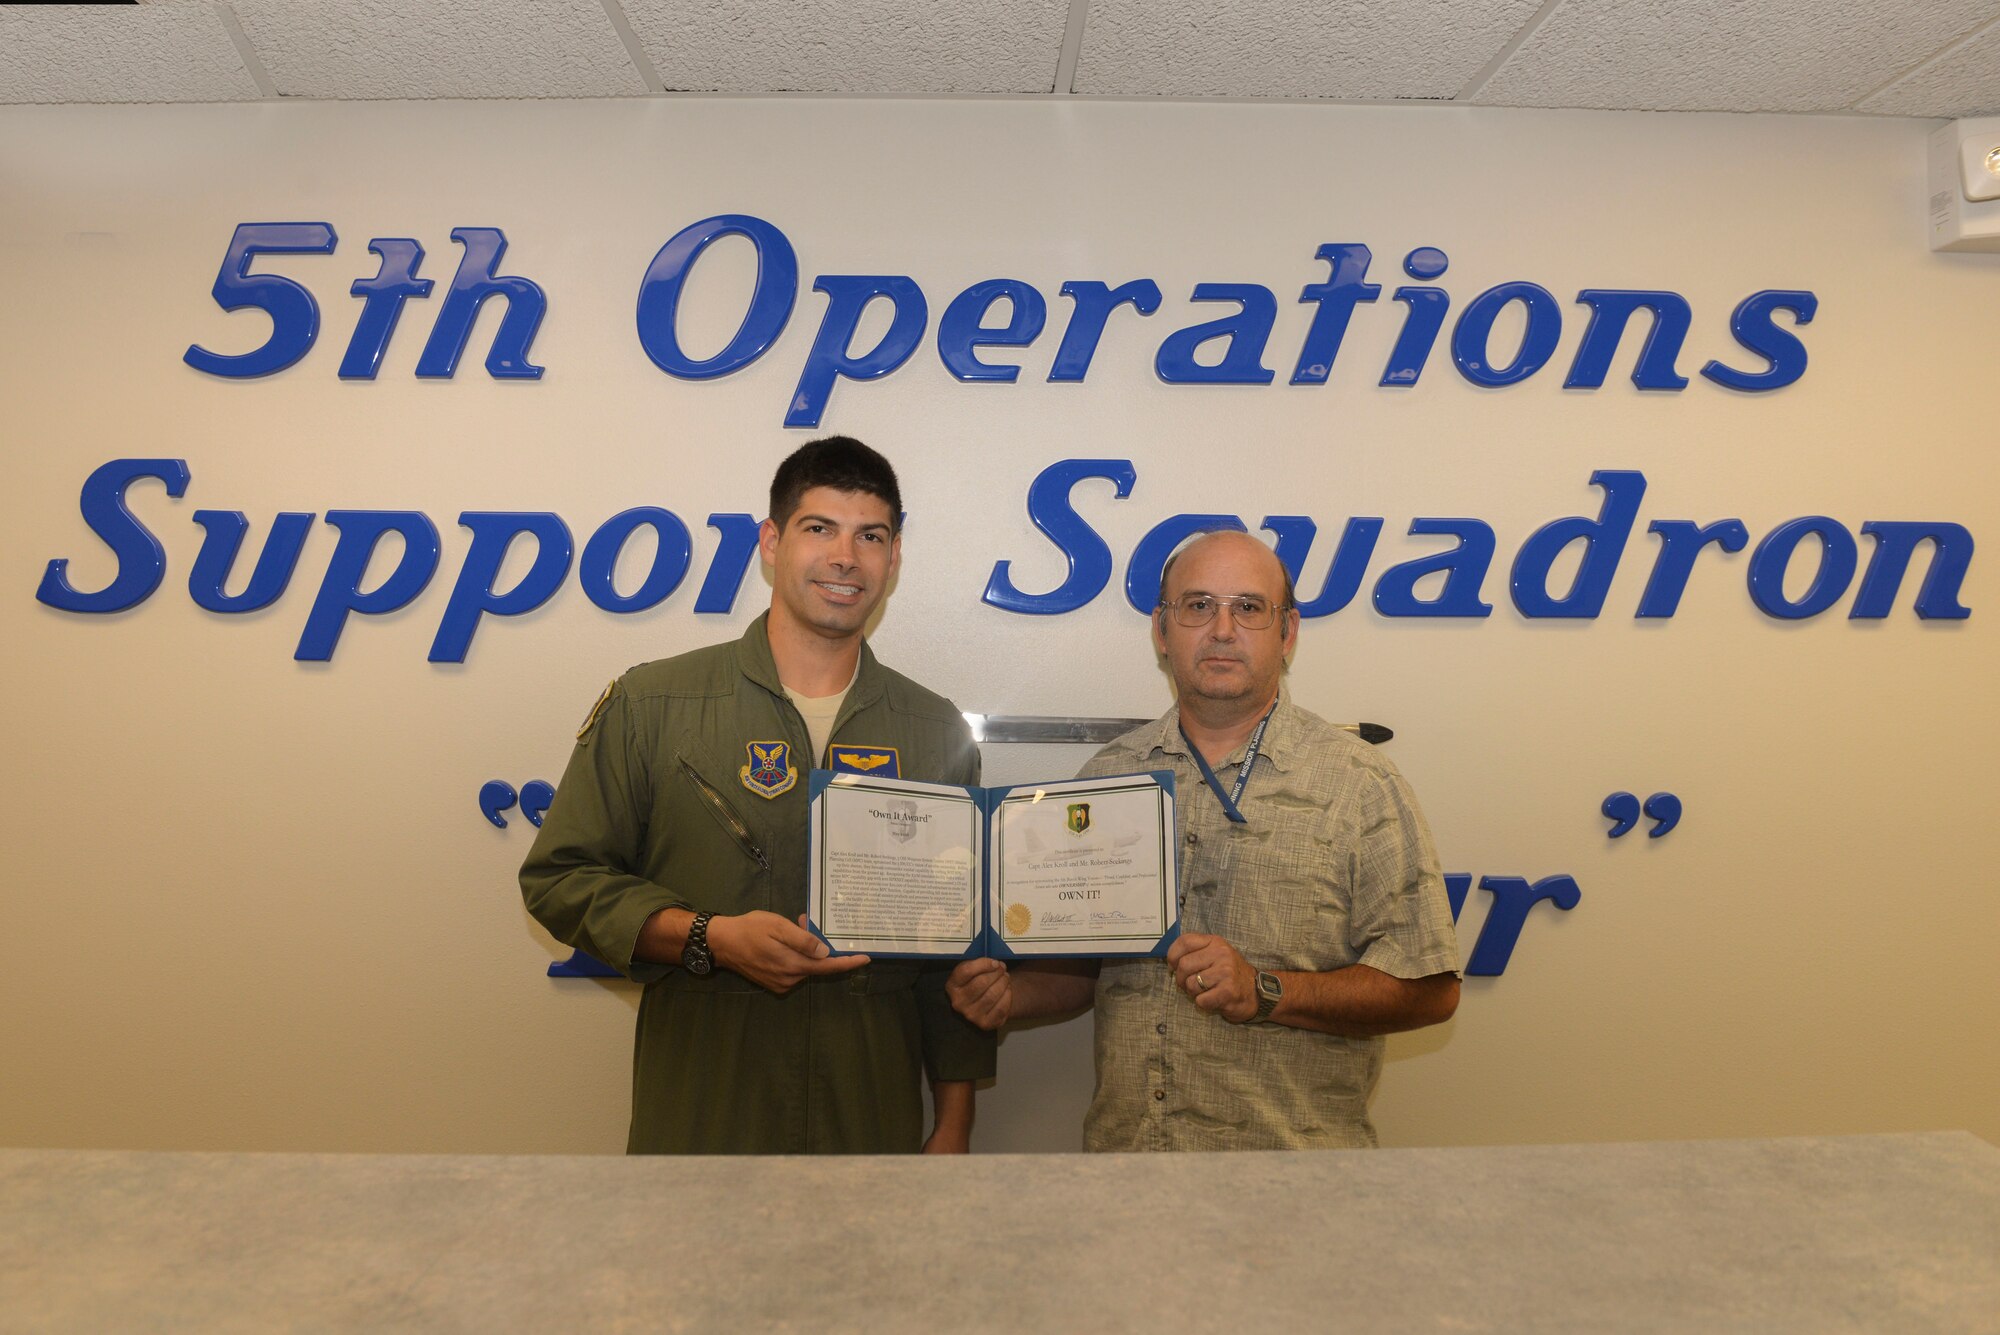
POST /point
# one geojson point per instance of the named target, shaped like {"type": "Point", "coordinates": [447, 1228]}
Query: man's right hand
{"type": "Point", "coordinates": [982, 991]}
{"type": "Point", "coordinates": [773, 952]}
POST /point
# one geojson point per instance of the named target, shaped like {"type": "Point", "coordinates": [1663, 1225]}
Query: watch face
{"type": "Point", "coordinates": [1269, 986]}
{"type": "Point", "coordinates": [696, 959]}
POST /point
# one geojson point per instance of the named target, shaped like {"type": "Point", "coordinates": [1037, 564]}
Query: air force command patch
{"type": "Point", "coordinates": [770, 771]}
{"type": "Point", "coordinates": [880, 762]}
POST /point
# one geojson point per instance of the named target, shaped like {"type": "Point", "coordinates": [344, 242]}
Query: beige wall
{"type": "Point", "coordinates": [249, 903]}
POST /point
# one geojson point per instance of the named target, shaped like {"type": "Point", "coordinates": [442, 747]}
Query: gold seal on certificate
{"type": "Point", "coordinates": [1083, 867]}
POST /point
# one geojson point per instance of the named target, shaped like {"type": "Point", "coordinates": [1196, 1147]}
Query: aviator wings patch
{"type": "Point", "coordinates": [881, 761]}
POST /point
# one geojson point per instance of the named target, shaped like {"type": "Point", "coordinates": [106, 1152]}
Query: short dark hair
{"type": "Point", "coordinates": [840, 462]}
{"type": "Point", "coordinates": [1167, 569]}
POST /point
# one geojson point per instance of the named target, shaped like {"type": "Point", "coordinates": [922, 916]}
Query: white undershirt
{"type": "Point", "coordinates": [819, 712]}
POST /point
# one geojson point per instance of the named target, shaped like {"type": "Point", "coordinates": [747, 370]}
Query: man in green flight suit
{"type": "Point", "coordinates": [675, 851]}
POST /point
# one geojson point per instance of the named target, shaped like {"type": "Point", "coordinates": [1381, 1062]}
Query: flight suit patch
{"type": "Point", "coordinates": [597, 710]}
{"type": "Point", "coordinates": [881, 762]}
{"type": "Point", "coordinates": [770, 771]}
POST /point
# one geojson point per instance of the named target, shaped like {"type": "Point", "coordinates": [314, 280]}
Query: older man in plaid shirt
{"type": "Point", "coordinates": [1313, 915]}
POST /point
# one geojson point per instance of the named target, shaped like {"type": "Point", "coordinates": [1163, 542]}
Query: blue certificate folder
{"type": "Point", "coordinates": [1072, 869]}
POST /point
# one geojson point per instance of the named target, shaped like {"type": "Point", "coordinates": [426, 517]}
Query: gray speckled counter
{"type": "Point", "coordinates": [1865, 1233]}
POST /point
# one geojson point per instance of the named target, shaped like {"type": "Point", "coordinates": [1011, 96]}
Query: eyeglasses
{"type": "Point", "coordinates": [1250, 611]}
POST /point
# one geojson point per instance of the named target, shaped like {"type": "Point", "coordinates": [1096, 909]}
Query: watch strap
{"type": "Point", "coordinates": [696, 953]}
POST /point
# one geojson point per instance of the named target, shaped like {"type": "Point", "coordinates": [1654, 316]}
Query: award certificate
{"type": "Point", "coordinates": [1081, 867]}
{"type": "Point", "coordinates": [896, 866]}
{"type": "Point", "coordinates": [1084, 867]}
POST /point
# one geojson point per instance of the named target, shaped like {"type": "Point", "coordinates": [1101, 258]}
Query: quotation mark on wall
{"type": "Point", "coordinates": [497, 795]}
{"type": "Point", "coordinates": [1663, 809]}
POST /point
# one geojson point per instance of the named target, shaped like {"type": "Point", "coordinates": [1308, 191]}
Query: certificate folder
{"type": "Point", "coordinates": [1077, 869]}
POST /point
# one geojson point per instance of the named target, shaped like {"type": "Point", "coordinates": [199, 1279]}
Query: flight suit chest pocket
{"type": "Point", "coordinates": [724, 860]}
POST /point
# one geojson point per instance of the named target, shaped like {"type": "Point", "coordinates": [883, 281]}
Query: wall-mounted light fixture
{"type": "Point", "coordinates": [1965, 185]}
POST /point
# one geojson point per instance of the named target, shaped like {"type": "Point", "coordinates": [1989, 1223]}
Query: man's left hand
{"type": "Point", "coordinates": [1216, 975]}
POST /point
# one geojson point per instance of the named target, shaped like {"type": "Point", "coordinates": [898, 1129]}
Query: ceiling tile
{"type": "Point", "coordinates": [1293, 48]}
{"type": "Point", "coordinates": [439, 48]}
{"type": "Point", "coordinates": [177, 52]}
{"type": "Point", "coordinates": [1724, 55]}
{"type": "Point", "coordinates": [1962, 82]}
{"type": "Point", "coordinates": [852, 46]}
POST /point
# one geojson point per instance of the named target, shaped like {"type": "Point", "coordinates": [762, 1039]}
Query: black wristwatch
{"type": "Point", "coordinates": [1270, 991]}
{"type": "Point", "coordinates": [695, 956]}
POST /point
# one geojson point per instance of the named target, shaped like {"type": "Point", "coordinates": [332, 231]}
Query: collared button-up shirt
{"type": "Point", "coordinates": [1334, 867]}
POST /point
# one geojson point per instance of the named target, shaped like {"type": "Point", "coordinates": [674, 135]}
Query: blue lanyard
{"type": "Point", "coordinates": [1230, 799]}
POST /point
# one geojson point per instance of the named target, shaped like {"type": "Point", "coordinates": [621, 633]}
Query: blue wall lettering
{"type": "Point", "coordinates": [1093, 303]}
{"type": "Point", "coordinates": [497, 795]}
{"type": "Point", "coordinates": [1508, 913]}
{"type": "Point", "coordinates": [473, 596]}
{"type": "Point", "coordinates": [536, 794]}
{"type": "Point", "coordinates": [963, 331]}
{"type": "Point", "coordinates": [580, 965]}
{"type": "Point", "coordinates": [142, 562]}
{"type": "Point", "coordinates": [1457, 885]}
{"type": "Point", "coordinates": [1664, 810]}
{"type": "Point", "coordinates": [340, 591]}
{"type": "Point", "coordinates": [1752, 325]}
{"type": "Point", "coordinates": [733, 553]}
{"type": "Point", "coordinates": [1623, 808]}
{"type": "Point", "coordinates": [670, 559]}
{"type": "Point", "coordinates": [383, 297]}
{"type": "Point", "coordinates": [273, 571]}
{"type": "Point", "coordinates": [960, 328]}
{"type": "Point", "coordinates": [1426, 263]}
{"type": "Point", "coordinates": [1774, 556]}
{"type": "Point", "coordinates": [1088, 555]}
{"type": "Point", "coordinates": [1458, 572]}
{"type": "Point", "coordinates": [1248, 330]}
{"type": "Point", "coordinates": [1465, 567]}
{"type": "Point", "coordinates": [294, 314]}
{"type": "Point", "coordinates": [771, 298]}
{"type": "Point", "coordinates": [1609, 313]}
{"type": "Point", "coordinates": [472, 286]}
{"type": "Point", "coordinates": [1603, 541]}
{"type": "Point", "coordinates": [1475, 328]}
{"type": "Point", "coordinates": [1681, 540]}
{"type": "Point", "coordinates": [1337, 297]}
{"type": "Point", "coordinates": [1423, 318]}
{"type": "Point", "coordinates": [832, 356]}
{"type": "Point", "coordinates": [1295, 534]}
{"type": "Point", "coordinates": [1895, 543]}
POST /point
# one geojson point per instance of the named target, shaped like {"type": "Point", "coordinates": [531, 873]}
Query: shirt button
{"type": "Point", "coordinates": [1193, 838]}
{"type": "Point", "coordinates": [1159, 1095]}
{"type": "Point", "coordinates": [1160, 1028]}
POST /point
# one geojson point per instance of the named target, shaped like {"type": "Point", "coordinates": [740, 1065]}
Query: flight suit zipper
{"type": "Point", "coordinates": [730, 820]}
{"type": "Point", "coordinates": [794, 729]}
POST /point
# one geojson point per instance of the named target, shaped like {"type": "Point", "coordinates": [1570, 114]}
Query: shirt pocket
{"type": "Point", "coordinates": [1284, 905]}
